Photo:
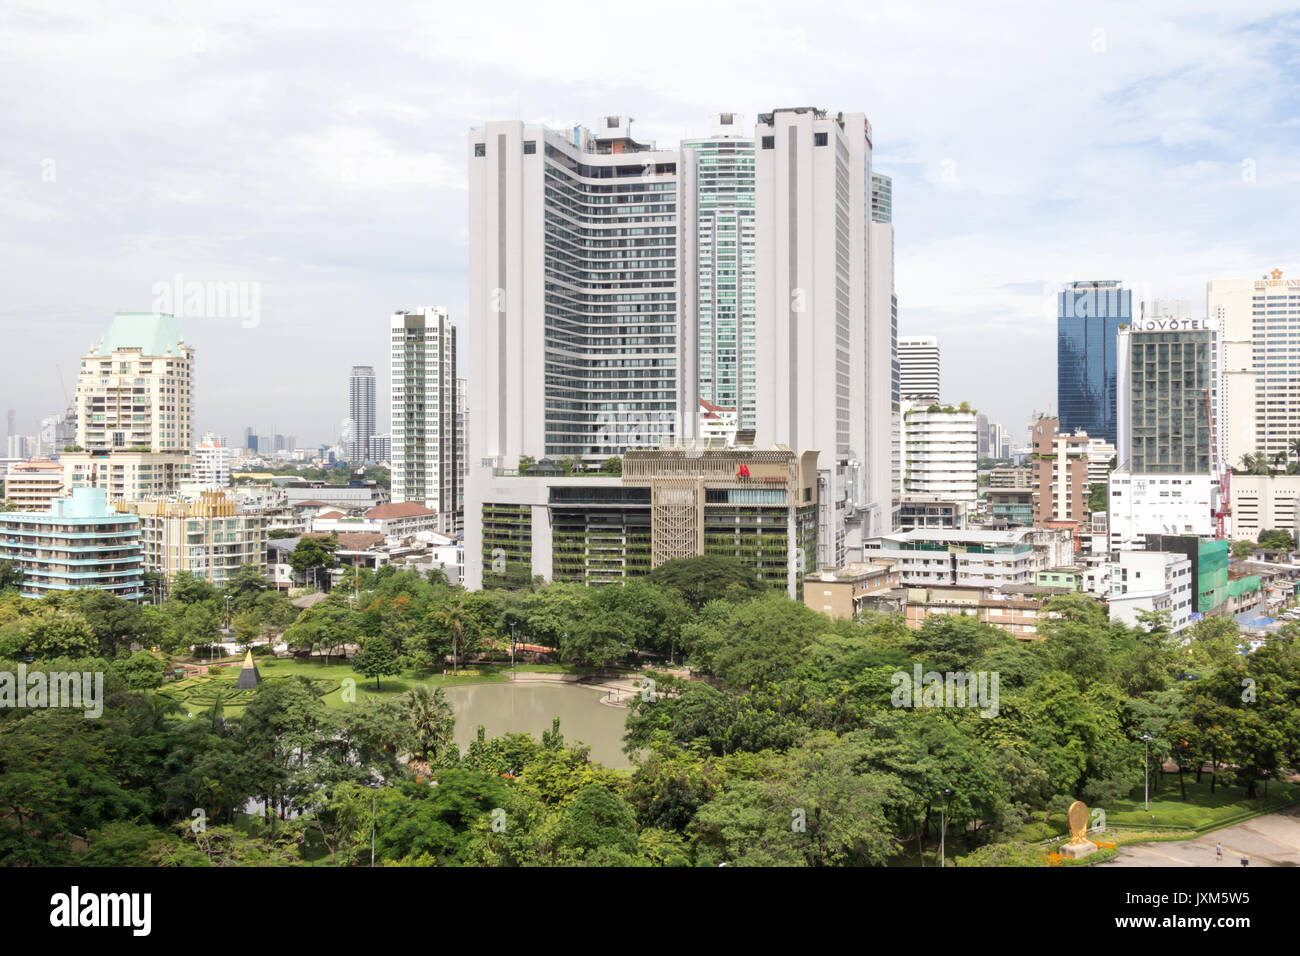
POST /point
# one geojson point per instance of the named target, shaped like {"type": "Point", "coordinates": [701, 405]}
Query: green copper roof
{"type": "Point", "coordinates": [153, 333]}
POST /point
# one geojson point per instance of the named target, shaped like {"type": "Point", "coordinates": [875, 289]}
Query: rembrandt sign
{"type": "Point", "coordinates": [1274, 280]}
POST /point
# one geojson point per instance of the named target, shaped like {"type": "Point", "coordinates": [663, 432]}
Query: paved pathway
{"type": "Point", "coordinates": [1272, 840]}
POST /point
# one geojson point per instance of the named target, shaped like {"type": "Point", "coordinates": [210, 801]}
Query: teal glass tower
{"type": "Point", "coordinates": [1089, 316]}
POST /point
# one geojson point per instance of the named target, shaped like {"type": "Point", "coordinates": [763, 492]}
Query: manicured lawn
{"type": "Point", "coordinates": [1166, 819]}
{"type": "Point", "coordinates": [1202, 809]}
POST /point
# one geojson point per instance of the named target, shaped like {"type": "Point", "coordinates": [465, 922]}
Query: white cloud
{"type": "Point", "coordinates": [319, 150]}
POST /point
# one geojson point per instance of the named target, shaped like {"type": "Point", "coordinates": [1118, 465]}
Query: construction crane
{"type": "Point", "coordinates": [67, 401]}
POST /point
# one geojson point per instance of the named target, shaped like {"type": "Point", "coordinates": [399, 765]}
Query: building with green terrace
{"type": "Point", "coordinates": [756, 505]}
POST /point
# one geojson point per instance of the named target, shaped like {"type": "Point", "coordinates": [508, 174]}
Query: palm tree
{"type": "Point", "coordinates": [452, 617]}
{"type": "Point", "coordinates": [1255, 465]}
{"type": "Point", "coordinates": [429, 716]}
{"type": "Point", "coordinates": [1279, 460]}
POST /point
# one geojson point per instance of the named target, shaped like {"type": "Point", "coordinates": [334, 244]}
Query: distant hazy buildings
{"type": "Point", "coordinates": [361, 414]}
{"type": "Point", "coordinates": [918, 369]}
{"type": "Point", "coordinates": [426, 431]}
{"type": "Point", "coordinates": [20, 446]}
{"type": "Point", "coordinates": [1089, 315]}
{"type": "Point", "coordinates": [135, 409]}
{"type": "Point", "coordinates": [994, 440]}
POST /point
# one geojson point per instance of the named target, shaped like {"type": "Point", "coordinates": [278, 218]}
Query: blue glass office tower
{"type": "Point", "coordinates": [1089, 315]}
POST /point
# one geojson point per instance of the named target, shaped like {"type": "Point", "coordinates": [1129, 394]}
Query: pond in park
{"type": "Point", "coordinates": [529, 707]}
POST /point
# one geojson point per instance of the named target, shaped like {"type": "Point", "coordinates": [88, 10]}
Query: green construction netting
{"type": "Point", "coordinates": [1243, 585]}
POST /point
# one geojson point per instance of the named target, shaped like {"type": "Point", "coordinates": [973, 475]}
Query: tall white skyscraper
{"type": "Point", "coordinates": [361, 413]}
{"type": "Point", "coordinates": [725, 266]}
{"type": "Point", "coordinates": [883, 483]}
{"type": "Point", "coordinates": [462, 449]}
{"type": "Point", "coordinates": [813, 317]}
{"type": "Point", "coordinates": [918, 368]}
{"type": "Point", "coordinates": [426, 431]}
{"type": "Point", "coordinates": [135, 410]}
{"type": "Point", "coordinates": [582, 312]}
{"type": "Point", "coordinates": [1258, 322]}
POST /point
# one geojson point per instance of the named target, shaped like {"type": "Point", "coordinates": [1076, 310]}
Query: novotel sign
{"type": "Point", "coordinates": [1171, 325]}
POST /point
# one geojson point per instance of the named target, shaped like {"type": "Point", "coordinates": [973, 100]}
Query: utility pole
{"type": "Point", "coordinates": [1146, 772]}
{"type": "Point", "coordinates": [943, 829]}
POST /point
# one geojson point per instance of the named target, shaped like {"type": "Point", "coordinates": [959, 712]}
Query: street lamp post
{"type": "Point", "coordinates": [1146, 772]}
{"type": "Point", "coordinates": [512, 650]}
{"type": "Point", "coordinates": [943, 828]}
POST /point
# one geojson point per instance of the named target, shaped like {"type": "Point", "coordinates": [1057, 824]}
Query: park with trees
{"type": "Point", "coordinates": [765, 734]}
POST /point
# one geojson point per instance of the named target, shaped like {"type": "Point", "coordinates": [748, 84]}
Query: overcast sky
{"type": "Point", "coordinates": [317, 152]}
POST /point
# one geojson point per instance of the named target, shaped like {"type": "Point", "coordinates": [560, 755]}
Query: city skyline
{"type": "Point", "coordinates": [1128, 112]}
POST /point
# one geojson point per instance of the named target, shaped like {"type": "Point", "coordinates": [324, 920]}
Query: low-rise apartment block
{"type": "Point", "coordinates": [79, 543]}
{"type": "Point", "coordinates": [208, 537]}
{"type": "Point", "coordinates": [1152, 581]}
{"type": "Point", "coordinates": [843, 592]}
{"type": "Point", "coordinates": [33, 485]}
{"type": "Point", "coordinates": [972, 557]}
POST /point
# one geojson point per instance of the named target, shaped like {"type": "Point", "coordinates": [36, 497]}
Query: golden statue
{"type": "Point", "coordinates": [1078, 817]}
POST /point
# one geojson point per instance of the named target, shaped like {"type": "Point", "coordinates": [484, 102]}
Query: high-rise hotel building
{"type": "Point", "coordinates": [815, 317]}
{"type": "Point", "coordinates": [1259, 324]}
{"type": "Point", "coordinates": [597, 323]}
{"type": "Point", "coordinates": [725, 267]}
{"type": "Point", "coordinates": [1165, 482]}
{"type": "Point", "coordinates": [426, 432]}
{"type": "Point", "coordinates": [135, 410]}
{"type": "Point", "coordinates": [582, 312]}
